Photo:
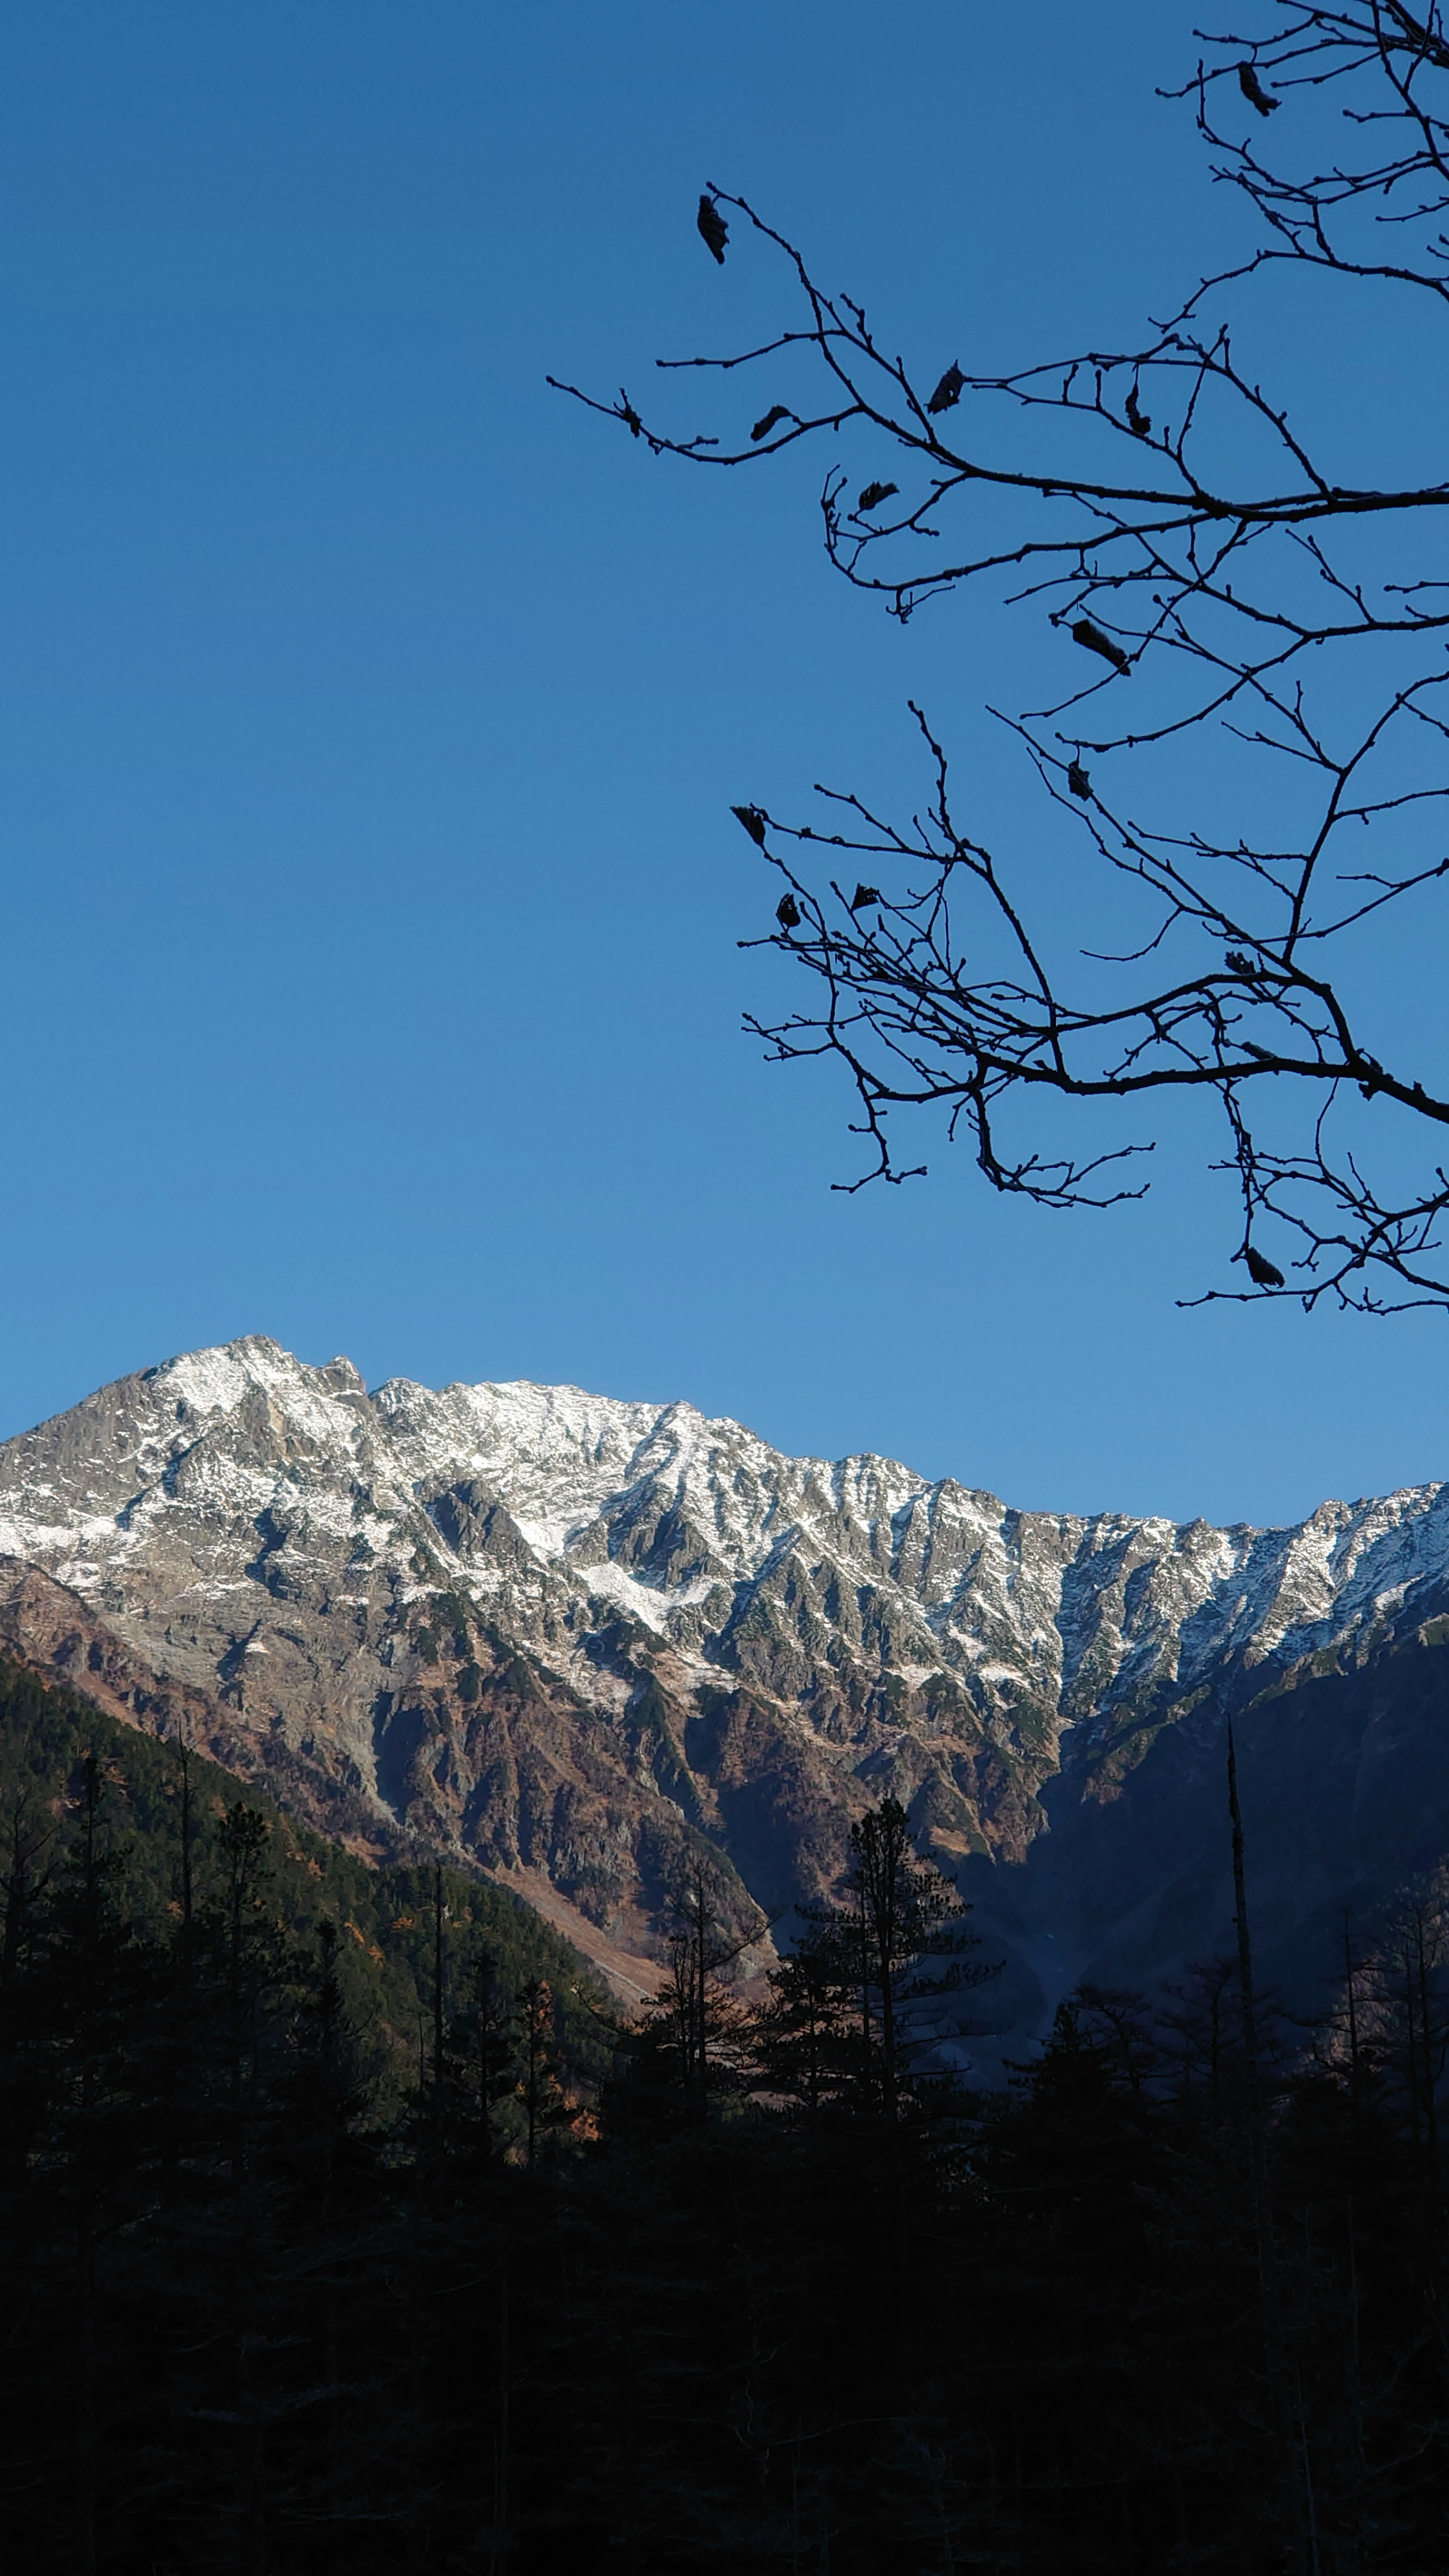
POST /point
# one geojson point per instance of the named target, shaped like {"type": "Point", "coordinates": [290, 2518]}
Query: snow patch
{"type": "Point", "coordinates": [162, 1486]}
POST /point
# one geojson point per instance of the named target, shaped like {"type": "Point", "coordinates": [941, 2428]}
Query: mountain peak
{"type": "Point", "coordinates": [554, 1631]}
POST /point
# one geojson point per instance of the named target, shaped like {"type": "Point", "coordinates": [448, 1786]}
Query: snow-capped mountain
{"type": "Point", "coordinates": [559, 1634]}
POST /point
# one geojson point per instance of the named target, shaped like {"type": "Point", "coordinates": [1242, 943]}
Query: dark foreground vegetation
{"type": "Point", "coordinates": [343, 2231]}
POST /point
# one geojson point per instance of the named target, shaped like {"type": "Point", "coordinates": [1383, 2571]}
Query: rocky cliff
{"type": "Point", "coordinates": [562, 1637]}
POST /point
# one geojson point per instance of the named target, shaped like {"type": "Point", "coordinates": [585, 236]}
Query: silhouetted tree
{"type": "Point", "coordinates": [897, 1939]}
{"type": "Point", "coordinates": [696, 2018]}
{"type": "Point", "coordinates": [804, 2046]}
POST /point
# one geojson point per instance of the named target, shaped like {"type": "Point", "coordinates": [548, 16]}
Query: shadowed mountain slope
{"type": "Point", "coordinates": [565, 1640]}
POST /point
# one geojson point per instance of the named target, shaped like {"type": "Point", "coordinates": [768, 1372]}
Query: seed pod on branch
{"type": "Point", "coordinates": [713, 230]}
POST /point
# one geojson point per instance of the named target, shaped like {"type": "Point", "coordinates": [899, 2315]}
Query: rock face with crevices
{"type": "Point", "coordinates": [564, 1638]}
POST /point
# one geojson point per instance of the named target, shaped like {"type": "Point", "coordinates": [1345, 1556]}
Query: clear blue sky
{"type": "Point", "coordinates": [371, 716]}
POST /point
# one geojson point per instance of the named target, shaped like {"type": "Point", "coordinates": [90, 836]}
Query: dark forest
{"type": "Point", "coordinates": [348, 2227]}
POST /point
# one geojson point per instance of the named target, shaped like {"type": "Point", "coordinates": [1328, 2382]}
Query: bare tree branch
{"type": "Point", "coordinates": [1197, 560]}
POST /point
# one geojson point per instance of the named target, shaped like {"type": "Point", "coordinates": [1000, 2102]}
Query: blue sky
{"type": "Point", "coordinates": [371, 716]}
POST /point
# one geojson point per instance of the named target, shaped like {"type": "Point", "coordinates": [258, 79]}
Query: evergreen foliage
{"type": "Point", "coordinates": [383, 1918]}
{"type": "Point", "coordinates": [743, 2304]}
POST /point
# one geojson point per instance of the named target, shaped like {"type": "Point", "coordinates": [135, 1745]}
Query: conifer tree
{"type": "Point", "coordinates": [898, 1940]}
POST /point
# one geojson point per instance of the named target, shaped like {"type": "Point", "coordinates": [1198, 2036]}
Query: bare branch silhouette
{"type": "Point", "coordinates": [1197, 561]}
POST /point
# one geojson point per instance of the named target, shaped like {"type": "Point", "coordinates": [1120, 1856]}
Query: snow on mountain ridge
{"type": "Point", "coordinates": [685, 1520]}
{"type": "Point", "coordinates": [557, 1635]}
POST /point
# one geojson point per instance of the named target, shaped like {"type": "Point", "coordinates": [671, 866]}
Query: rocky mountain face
{"type": "Point", "coordinates": [568, 1640]}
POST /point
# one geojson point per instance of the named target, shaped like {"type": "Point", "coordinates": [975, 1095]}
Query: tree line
{"type": "Point", "coordinates": [750, 2281]}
